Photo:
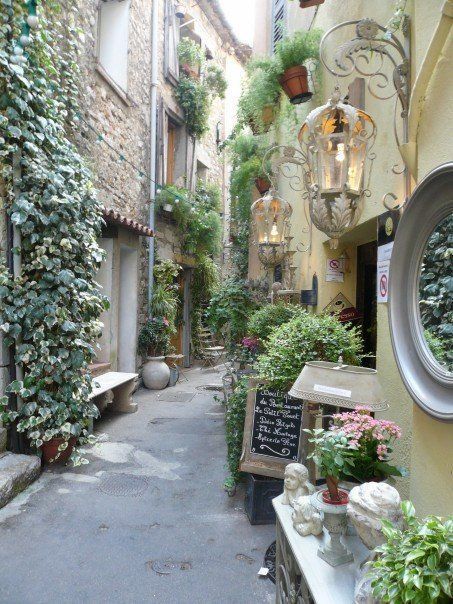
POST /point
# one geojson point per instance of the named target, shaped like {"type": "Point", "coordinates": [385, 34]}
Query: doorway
{"type": "Point", "coordinates": [127, 316]}
{"type": "Point", "coordinates": [367, 299]}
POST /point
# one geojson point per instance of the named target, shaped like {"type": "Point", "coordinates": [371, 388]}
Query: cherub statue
{"type": "Point", "coordinates": [368, 505]}
{"type": "Point", "coordinates": [296, 483]}
{"type": "Point", "coordinates": [306, 519]}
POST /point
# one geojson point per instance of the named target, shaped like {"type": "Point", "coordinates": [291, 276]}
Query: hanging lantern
{"type": "Point", "coordinates": [336, 139]}
{"type": "Point", "coordinates": [271, 216]}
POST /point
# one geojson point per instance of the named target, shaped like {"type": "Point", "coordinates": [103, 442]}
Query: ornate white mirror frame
{"type": "Point", "coordinates": [429, 384]}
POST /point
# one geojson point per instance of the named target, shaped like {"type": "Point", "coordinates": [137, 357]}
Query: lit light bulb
{"type": "Point", "coordinates": [274, 230]}
{"type": "Point", "coordinates": [340, 152]}
{"type": "Point", "coordinates": [265, 239]}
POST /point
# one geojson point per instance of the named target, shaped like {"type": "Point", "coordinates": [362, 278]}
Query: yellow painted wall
{"type": "Point", "coordinates": [426, 448]}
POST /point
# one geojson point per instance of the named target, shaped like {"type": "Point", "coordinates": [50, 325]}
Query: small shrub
{"type": "Point", "coordinates": [416, 564]}
{"type": "Point", "coordinates": [307, 337]}
{"type": "Point", "coordinates": [215, 80]}
{"type": "Point", "coordinates": [297, 49]}
{"type": "Point", "coordinates": [193, 98]}
{"type": "Point", "coordinates": [264, 320]}
{"type": "Point", "coordinates": [234, 430]}
{"type": "Point", "coordinates": [190, 53]}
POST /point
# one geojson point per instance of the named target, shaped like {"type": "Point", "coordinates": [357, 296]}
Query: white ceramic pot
{"type": "Point", "coordinates": [156, 373]}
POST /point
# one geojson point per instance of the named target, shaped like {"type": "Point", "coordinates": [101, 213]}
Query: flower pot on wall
{"type": "Point", "coordinates": [263, 184]}
{"type": "Point", "coordinates": [156, 373]}
{"type": "Point", "coordinates": [190, 71]}
{"type": "Point", "coordinates": [50, 450]}
{"type": "Point", "coordinates": [294, 82]}
{"type": "Point", "coordinates": [267, 119]}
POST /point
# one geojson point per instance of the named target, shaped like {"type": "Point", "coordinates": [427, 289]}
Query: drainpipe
{"type": "Point", "coordinates": [153, 139]}
{"type": "Point", "coordinates": [425, 75]}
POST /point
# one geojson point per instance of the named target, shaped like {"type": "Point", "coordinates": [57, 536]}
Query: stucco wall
{"type": "Point", "coordinates": [426, 448]}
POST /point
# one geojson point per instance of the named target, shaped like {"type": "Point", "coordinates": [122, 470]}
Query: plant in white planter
{"type": "Point", "coordinates": [154, 342]}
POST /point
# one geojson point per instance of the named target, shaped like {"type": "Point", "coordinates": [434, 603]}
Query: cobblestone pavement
{"type": "Point", "coordinates": [146, 520]}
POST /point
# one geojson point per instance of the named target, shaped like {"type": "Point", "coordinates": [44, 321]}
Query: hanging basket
{"type": "Point", "coordinates": [294, 82]}
{"type": "Point", "coordinates": [267, 119]}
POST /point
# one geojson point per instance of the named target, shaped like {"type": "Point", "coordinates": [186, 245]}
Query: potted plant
{"type": "Point", "coordinates": [257, 104]}
{"type": "Point", "coordinates": [154, 342]}
{"type": "Point", "coordinates": [191, 57]}
{"type": "Point", "coordinates": [290, 54]}
{"type": "Point", "coordinates": [415, 563]}
{"type": "Point", "coordinates": [357, 447]}
{"type": "Point", "coordinates": [215, 80]}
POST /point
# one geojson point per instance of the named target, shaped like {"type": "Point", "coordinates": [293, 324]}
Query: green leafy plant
{"type": "Point", "coordinates": [306, 337]}
{"type": "Point", "coordinates": [296, 49]}
{"type": "Point", "coordinates": [194, 99]}
{"type": "Point", "coordinates": [416, 564]}
{"type": "Point", "coordinates": [154, 337]}
{"type": "Point", "coordinates": [50, 312]}
{"type": "Point", "coordinates": [215, 80]}
{"type": "Point", "coordinates": [229, 310]}
{"type": "Point", "coordinates": [260, 95]}
{"type": "Point", "coordinates": [264, 320]}
{"type": "Point", "coordinates": [190, 53]}
{"type": "Point", "coordinates": [234, 430]}
{"type": "Point", "coordinates": [205, 282]}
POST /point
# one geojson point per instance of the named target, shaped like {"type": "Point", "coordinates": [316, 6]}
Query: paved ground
{"type": "Point", "coordinates": [146, 520]}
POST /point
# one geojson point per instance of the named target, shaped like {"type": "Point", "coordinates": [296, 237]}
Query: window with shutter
{"type": "Point", "coordinates": [113, 34]}
{"type": "Point", "coordinates": [171, 63]}
{"type": "Point", "coordinates": [278, 22]}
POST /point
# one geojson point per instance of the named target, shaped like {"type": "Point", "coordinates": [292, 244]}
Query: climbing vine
{"type": "Point", "coordinates": [49, 311]}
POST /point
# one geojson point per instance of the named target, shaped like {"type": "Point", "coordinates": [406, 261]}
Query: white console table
{"type": "Point", "coordinates": [301, 577]}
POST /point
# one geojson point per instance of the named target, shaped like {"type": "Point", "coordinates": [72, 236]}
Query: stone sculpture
{"type": "Point", "coordinates": [306, 519]}
{"type": "Point", "coordinates": [368, 505]}
{"type": "Point", "coordinates": [296, 483]}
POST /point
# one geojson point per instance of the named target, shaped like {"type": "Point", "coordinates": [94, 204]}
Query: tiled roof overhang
{"type": "Point", "coordinates": [114, 217]}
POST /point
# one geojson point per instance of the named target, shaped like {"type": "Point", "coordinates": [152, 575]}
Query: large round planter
{"type": "Point", "coordinates": [294, 82]}
{"type": "Point", "coordinates": [50, 450]}
{"type": "Point", "coordinates": [156, 373]}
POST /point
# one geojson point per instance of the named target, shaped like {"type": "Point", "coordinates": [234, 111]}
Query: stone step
{"type": "Point", "coordinates": [17, 472]}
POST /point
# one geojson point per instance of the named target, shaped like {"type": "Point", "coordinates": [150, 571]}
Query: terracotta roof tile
{"type": "Point", "coordinates": [114, 217]}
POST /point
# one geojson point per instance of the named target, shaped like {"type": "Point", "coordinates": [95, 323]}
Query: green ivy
{"type": "Point", "coordinates": [50, 313]}
{"type": "Point", "coordinates": [234, 430]}
{"type": "Point", "coordinates": [205, 282]}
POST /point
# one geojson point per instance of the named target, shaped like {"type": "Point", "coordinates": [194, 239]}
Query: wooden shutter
{"type": "Point", "coordinates": [171, 63]}
{"type": "Point", "coordinates": [162, 119]}
{"type": "Point", "coordinates": [278, 22]}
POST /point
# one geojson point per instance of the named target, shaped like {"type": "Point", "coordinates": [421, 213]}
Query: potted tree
{"type": "Point", "coordinates": [290, 55]}
{"type": "Point", "coordinates": [191, 57]}
{"type": "Point", "coordinates": [154, 342]}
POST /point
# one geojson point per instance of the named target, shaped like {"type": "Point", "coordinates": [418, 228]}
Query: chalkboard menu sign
{"type": "Point", "coordinates": [277, 419]}
{"type": "Point", "coordinates": [273, 431]}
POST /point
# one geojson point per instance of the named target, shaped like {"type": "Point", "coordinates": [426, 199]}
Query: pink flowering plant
{"type": "Point", "coordinates": [357, 446]}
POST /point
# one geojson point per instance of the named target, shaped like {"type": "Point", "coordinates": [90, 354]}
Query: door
{"type": "Point", "coordinates": [367, 298]}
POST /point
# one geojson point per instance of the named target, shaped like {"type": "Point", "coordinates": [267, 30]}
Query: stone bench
{"type": "Point", "coordinates": [116, 388]}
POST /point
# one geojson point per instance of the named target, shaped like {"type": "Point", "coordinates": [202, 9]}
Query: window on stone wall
{"type": "Point", "coordinates": [202, 171]}
{"type": "Point", "coordinates": [171, 63]}
{"type": "Point", "coordinates": [278, 22]}
{"type": "Point", "coordinates": [113, 34]}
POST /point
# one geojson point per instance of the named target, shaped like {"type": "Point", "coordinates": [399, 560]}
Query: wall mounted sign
{"type": "Point", "coordinates": [334, 271]}
{"type": "Point", "coordinates": [342, 308]}
{"type": "Point", "coordinates": [387, 225]}
{"type": "Point", "coordinates": [273, 434]}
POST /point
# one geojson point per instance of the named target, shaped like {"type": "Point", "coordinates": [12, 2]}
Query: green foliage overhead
{"type": "Point", "coordinates": [215, 80]}
{"type": "Point", "coordinates": [195, 101]}
{"type": "Point", "coordinates": [50, 313]}
{"type": "Point", "coordinates": [415, 565]}
{"type": "Point", "coordinates": [436, 292]}
{"type": "Point", "coordinates": [196, 215]}
{"type": "Point", "coordinates": [306, 337]}
{"type": "Point", "coordinates": [190, 53]}
{"type": "Point", "coordinates": [264, 320]}
{"type": "Point", "coordinates": [296, 49]}
{"type": "Point", "coordinates": [230, 309]}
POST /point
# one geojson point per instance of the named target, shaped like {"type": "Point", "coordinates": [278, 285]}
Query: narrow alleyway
{"type": "Point", "coordinates": [146, 520]}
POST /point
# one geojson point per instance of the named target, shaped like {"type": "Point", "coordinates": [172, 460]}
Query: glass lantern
{"type": "Point", "coordinates": [271, 215]}
{"type": "Point", "coordinates": [336, 139]}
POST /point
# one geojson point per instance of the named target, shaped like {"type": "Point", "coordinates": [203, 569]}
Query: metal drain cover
{"type": "Point", "coordinates": [123, 485]}
{"type": "Point", "coordinates": [176, 397]}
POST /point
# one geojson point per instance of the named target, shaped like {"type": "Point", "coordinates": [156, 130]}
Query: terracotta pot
{"type": "Point", "coordinates": [343, 497]}
{"type": "Point", "coordinates": [267, 118]}
{"type": "Point", "coordinates": [190, 71]}
{"type": "Point", "coordinates": [262, 184]}
{"type": "Point", "coordinates": [294, 82]}
{"type": "Point", "coordinates": [50, 450]}
{"type": "Point", "coordinates": [307, 3]}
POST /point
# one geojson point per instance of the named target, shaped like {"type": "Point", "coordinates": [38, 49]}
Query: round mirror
{"type": "Point", "coordinates": [436, 294]}
{"type": "Point", "coordinates": [421, 294]}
